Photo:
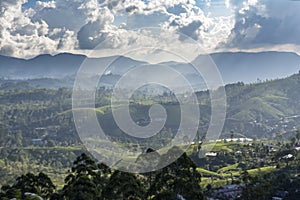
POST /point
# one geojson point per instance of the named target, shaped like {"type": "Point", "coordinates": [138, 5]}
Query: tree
{"type": "Point", "coordinates": [259, 189]}
{"type": "Point", "coordinates": [147, 162]}
{"type": "Point", "coordinates": [245, 176]}
{"type": "Point", "coordinates": [298, 135]}
{"type": "Point", "coordinates": [123, 185]}
{"type": "Point", "coordinates": [231, 135]}
{"type": "Point", "coordinates": [9, 192]}
{"type": "Point", "coordinates": [30, 183]}
{"type": "Point", "coordinates": [51, 143]}
{"type": "Point", "coordinates": [293, 141]}
{"type": "Point", "coordinates": [179, 179]}
{"type": "Point", "coordinates": [81, 183]}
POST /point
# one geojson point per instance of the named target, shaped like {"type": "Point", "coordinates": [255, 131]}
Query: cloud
{"type": "Point", "coordinates": [76, 26]}
{"type": "Point", "coordinates": [264, 23]}
{"type": "Point", "coordinates": [24, 37]}
{"type": "Point", "coordinates": [96, 30]}
{"type": "Point", "coordinates": [73, 15]}
{"type": "Point", "coordinates": [131, 7]}
{"type": "Point", "coordinates": [80, 26]}
{"type": "Point", "coordinates": [40, 5]}
{"type": "Point", "coordinates": [91, 34]}
{"type": "Point", "coordinates": [190, 20]}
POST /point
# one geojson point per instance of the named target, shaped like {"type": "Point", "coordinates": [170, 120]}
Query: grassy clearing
{"type": "Point", "coordinates": [214, 183]}
{"type": "Point", "coordinates": [263, 170]}
{"type": "Point", "coordinates": [221, 146]}
{"type": "Point", "coordinates": [233, 167]}
{"type": "Point", "coordinates": [217, 180]}
{"type": "Point", "coordinates": [227, 171]}
{"type": "Point", "coordinates": [205, 173]}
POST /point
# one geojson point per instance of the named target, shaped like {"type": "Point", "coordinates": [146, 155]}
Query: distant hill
{"type": "Point", "coordinates": [267, 110]}
{"type": "Point", "coordinates": [234, 67]}
{"type": "Point", "coordinates": [43, 66]}
{"type": "Point", "coordinates": [248, 67]}
{"type": "Point", "coordinates": [48, 83]}
{"type": "Point", "coordinates": [58, 66]}
{"type": "Point", "coordinates": [264, 109]}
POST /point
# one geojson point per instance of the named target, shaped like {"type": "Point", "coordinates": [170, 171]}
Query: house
{"type": "Point", "coordinates": [277, 198]}
{"type": "Point", "coordinates": [280, 195]}
{"type": "Point", "coordinates": [229, 192]}
{"type": "Point", "coordinates": [33, 196]}
{"type": "Point", "coordinates": [37, 142]}
{"type": "Point", "coordinates": [211, 154]}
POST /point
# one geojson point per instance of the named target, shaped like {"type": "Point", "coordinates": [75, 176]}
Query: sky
{"type": "Point", "coordinates": [29, 28]}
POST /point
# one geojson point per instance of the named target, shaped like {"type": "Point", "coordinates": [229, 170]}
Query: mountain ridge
{"type": "Point", "coordinates": [234, 67]}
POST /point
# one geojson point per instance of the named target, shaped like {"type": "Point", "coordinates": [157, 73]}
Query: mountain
{"type": "Point", "coordinates": [264, 109]}
{"type": "Point", "coordinates": [248, 67]}
{"type": "Point", "coordinates": [47, 83]}
{"type": "Point", "coordinates": [58, 66]}
{"type": "Point", "coordinates": [43, 66]}
{"type": "Point", "coordinates": [234, 67]}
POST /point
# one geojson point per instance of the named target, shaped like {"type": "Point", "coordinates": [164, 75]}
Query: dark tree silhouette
{"type": "Point", "coordinates": [179, 179]}
{"type": "Point", "coordinates": [81, 182]}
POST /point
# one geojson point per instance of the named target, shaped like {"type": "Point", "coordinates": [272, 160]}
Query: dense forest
{"type": "Point", "coordinates": [41, 153]}
{"type": "Point", "coordinates": [263, 174]}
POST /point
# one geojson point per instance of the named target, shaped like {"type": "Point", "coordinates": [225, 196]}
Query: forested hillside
{"type": "Point", "coordinates": [263, 109]}
{"type": "Point", "coordinates": [37, 132]}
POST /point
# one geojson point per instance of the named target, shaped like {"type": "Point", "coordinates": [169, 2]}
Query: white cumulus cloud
{"type": "Point", "coordinates": [266, 23]}
{"type": "Point", "coordinates": [23, 37]}
{"type": "Point", "coordinates": [79, 26]}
